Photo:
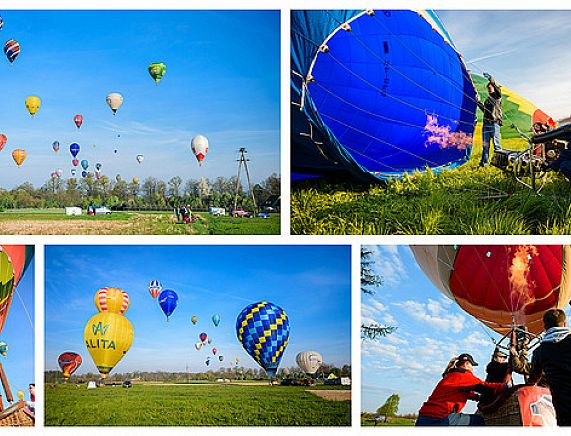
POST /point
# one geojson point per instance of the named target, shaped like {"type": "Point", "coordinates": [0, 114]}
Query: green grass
{"type": "Point", "coordinates": [458, 201]}
{"type": "Point", "coordinates": [393, 422]}
{"type": "Point", "coordinates": [216, 405]}
{"type": "Point", "coordinates": [150, 223]}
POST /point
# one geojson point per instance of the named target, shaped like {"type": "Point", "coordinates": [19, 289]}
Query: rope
{"type": "Point", "coordinates": [25, 310]}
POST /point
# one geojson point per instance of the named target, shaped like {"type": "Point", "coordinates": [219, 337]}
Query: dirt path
{"type": "Point", "coordinates": [332, 395]}
{"type": "Point", "coordinates": [76, 227]}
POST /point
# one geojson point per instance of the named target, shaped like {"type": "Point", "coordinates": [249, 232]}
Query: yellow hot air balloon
{"type": "Point", "coordinates": [19, 156]}
{"type": "Point", "coordinates": [111, 300]}
{"type": "Point", "coordinates": [108, 336]}
{"type": "Point", "coordinates": [33, 103]}
{"type": "Point", "coordinates": [21, 395]}
{"type": "Point", "coordinates": [135, 180]}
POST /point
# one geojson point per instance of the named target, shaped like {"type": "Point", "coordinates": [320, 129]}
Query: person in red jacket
{"type": "Point", "coordinates": [458, 385]}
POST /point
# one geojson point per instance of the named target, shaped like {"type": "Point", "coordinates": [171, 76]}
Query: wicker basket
{"type": "Point", "coordinates": [507, 412]}
{"type": "Point", "coordinates": [16, 416]}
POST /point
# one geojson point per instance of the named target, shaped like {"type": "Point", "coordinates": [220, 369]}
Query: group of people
{"type": "Point", "coordinates": [184, 214]}
{"type": "Point", "coordinates": [550, 366]}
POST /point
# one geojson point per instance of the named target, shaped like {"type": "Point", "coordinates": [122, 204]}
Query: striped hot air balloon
{"type": "Point", "coordinates": [3, 140]}
{"type": "Point", "coordinates": [112, 300]}
{"type": "Point", "coordinates": [155, 288]}
{"type": "Point", "coordinates": [19, 156]}
{"type": "Point", "coordinates": [69, 362]}
{"type": "Point", "coordinates": [12, 49]}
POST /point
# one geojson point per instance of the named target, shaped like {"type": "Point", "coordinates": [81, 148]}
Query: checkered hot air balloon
{"type": "Point", "coordinates": [263, 330]}
{"type": "Point", "coordinates": [155, 288]}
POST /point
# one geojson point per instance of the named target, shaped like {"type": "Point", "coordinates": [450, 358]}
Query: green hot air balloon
{"type": "Point", "coordinates": [157, 70]}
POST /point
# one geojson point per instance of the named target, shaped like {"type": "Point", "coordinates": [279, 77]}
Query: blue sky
{"type": "Point", "coordinates": [311, 283]}
{"type": "Point", "coordinates": [18, 333]}
{"type": "Point", "coordinates": [222, 81]}
{"type": "Point", "coordinates": [527, 51]}
{"type": "Point", "coordinates": [431, 330]}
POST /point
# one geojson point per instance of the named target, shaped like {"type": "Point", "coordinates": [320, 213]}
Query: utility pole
{"type": "Point", "coordinates": [243, 161]}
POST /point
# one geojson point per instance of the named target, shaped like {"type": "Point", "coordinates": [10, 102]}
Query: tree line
{"type": "Point", "coordinates": [148, 194]}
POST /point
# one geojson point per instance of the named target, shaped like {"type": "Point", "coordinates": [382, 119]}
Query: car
{"type": "Point", "coordinates": [241, 213]}
{"type": "Point", "coordinates": [102, 210]}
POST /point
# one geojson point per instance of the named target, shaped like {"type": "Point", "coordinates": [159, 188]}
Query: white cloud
{"type": "Point", "coordinates": [434, 314]}
{"type": "Point", "coordinates": [388, 263]}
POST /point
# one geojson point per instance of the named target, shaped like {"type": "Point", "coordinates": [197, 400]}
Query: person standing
{"type": "Point", "coordinates": [553, 358]}
{"type": "Point", "coordinates": [458, 385]}
{"type": "Point", "coordinates": [493, 119]}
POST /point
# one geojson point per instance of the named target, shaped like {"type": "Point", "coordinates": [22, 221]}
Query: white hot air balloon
{"type": "Point", "coordinates": [59, 172]}
{"type": "Point", "coordinates": [199, 145]}
{"type": "Point", "coordinates": [114, 100]}
{"type": "Point", "coordinates": [140, 158]}
{"type": "Point", "coordinates": [309, 361]}
{"type": "Point", "coordinates": [198, 346]}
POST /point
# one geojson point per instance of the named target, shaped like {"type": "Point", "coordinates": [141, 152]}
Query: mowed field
{"type": "Point", "coordinates": [55, 222]}
{"type": "Point", "coordinates": [193, 404]}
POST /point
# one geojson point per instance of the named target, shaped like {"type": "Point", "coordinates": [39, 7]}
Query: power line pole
{"type": "Point", "coordinates": [243, 161]}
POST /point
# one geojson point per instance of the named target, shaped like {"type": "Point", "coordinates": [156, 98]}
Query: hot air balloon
{"type": "Point", "coordinates": [309, 361]}
{"type": "Point", "coordinates": [198, 346]}
{"type": "Point", "coordinates": [377, 94]}
{"type": "Point", "coordinates": [140, 158]}
{"type": "Point", "coordinates": [135, 180]}
{"type": "Point", "coordinates": [84, 164]}
{"type": "Point", "coordinates": [59, 172]}
{"type": "Point", "coordinates": [75, 162]}
{"type": "Point", "coordinates": [216, 320]}
{"type": "Point", "coordinates": [3, 140]}
{"type": "Point", "coordinates": [53, 175]}
{"type": "Point", "coordinates": [74, 149]}
{"type": "Point", "coordinates": [108, 336]}
{"type": "Point", "coordinates": [155, 288]}
{"type": "Point", "coordinates": [114, 100]}
{"type": "Point", "coordinates": [209, 340]}
{"type": "Point", "coordinates": [55, 146]}
{"type": "Point", "coordinates": [33, 103]}
{"type": "Point", "coordinates": [21, 395]}
{"type": "Point", "coordinates": [84, 174]}
{"type": "Point", "coordinates": [19, 156]}
{"type": "Point", "coordinates": [203, 337]}
{"type": "Point", "coordinates": [78, 120]}
{"type": "Point", "coordinates": [231, 363]}
{"type": "Point", "coordinates": [194, 319]}
{"type": "Point", "coordinates": [237, 360]}
{"type": "Point", "coordinates": [11, 50]}
{"type": "Point", "coordinates": [3, 349]}
{"type": "Point", "coordinates": [214, 351]}
{"type": "Point", "coordinates": [97, 175]}
{"type": "Point", "coordinates": [254, 325]}
{"type": "Point", "coordinates": [69, 362]}
{"type": "Point", "coordinates": [1, 22]}
{"type": "Point", "coordinates": [503, 286]}
{"type": "Point", "coordinates": [14, 260]}
{"type": "Point", "coordinates": [157, 70]}
{"type": "Point", "coordinates": [207, 361]}
{"type": "Point", "coordinates": [221, 358]}
{"type": "Point", "coordinates": [98, 166]}
{"type": "Point", "coordinates": [112, 300]}
{"type": "Point", "coordinates": [199, 145]}
{"type": "Point", "coordinates": [168, 300]}
{"type": "Point", "coordinates": [118, 178]}
{"type": "Point", "coordinates": [73, 172]}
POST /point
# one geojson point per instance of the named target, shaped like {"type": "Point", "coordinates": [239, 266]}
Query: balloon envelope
{"type": "Point", "coordinates": [74, 149]}
{"type": "Point", "coordinates": [263, 330]}
{"type": "Point", "coordinates": [501, 285]}
{"type": "Point", "coordinates": [19, 156]}
{"type": "Point", "coordinates": [168, 300]}
{"type": "Point", "coordinates": [69, 362]}
{"type": "Point", "coordinates": [33, 103]}
{"type": "Point", "coordinates": [199, 145]}
{"type": "Point", "coordinates": [114, 100]}
{"type": "Point", "coordinates": [108, 336]}
{"type": "Point", "coordinates": [14, 260]}
{"type": "Point", "coordinates": [55, 146]}
{"type": "Point", "coordinates": [155, 288]}
{"type": "Point", "coordinates": [157, 70]}
{"type": "Point", "coordinates": [3, 140]}
{"type": "Point", "coordinates": [216, 320]}
{"type": "Point", "coordinates": [203, 337]}
{"type": "Point", "coordinates": [309, 361]}
{"type": "Point", "coordinates": [78, 120]}
{"type": "Point", "coordinates": [12, 50]}
{"type": "Point", "coordinates": [194, 319]}
{"type": "Point", "coordinates": [377, 94]}
{"type": "Point", "coordinates": [112, 300]}
{"type": "Point", "coordinates": [140, 158]}
{"type": "Point", "coordinates": [84, 164]}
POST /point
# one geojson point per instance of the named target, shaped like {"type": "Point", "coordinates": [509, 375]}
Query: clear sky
{"type": "Point", "coordinates": [527, 51]}
{"type": "Point", "coordinates": [222, 81]}
{"type": "Point", "coordinates": [311, 283]}
{"type": "Point", "coordinates": [18, 333]}
{"type": "Point", "coordinates": [431, 330]}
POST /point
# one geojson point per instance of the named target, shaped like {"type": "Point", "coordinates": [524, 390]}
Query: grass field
{"type": "Point", "coordinates": [466, 200]}
{"type": "Point", "coordinates": [216, 405]}
{"type": "Point", "coordinates": [55, 222]}
{"type": "Point", "coordinates": [393, 422]}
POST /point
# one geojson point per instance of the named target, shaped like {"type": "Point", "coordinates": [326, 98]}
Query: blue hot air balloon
{"type": "Point", "coordinates": [73, 172]}
{"type": "Point", "coordinates": [84, 164]}
{"type": "Point", "coordinates": [376, 94]}
{"type": "Point", "coordinates": [74, 149]}
{"type": "Point", "coordinates": [263, 330]}
{"type": "Point", "coordinates": [84, 174]}
{"type": "Point", "coordinates": [168, 300]}
{"type": "Point", "coordinates": [216, 320]}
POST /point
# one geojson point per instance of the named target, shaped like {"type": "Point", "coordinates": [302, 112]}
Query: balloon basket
{"type": "Point", "coordinates": [17, 415]}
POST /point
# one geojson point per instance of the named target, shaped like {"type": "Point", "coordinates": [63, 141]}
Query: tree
{"type": "Point", "coordinates": [370, 279]}
{"type": "Point", "coordinates": [174, 186]}
{"type": "Point", "coordinates": [390, 408]}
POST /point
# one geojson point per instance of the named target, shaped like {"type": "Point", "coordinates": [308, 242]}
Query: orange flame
{"type": "Point", "coordinates": [443, 137]}
{"type": "Point", "coordinates": [519, 279]}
